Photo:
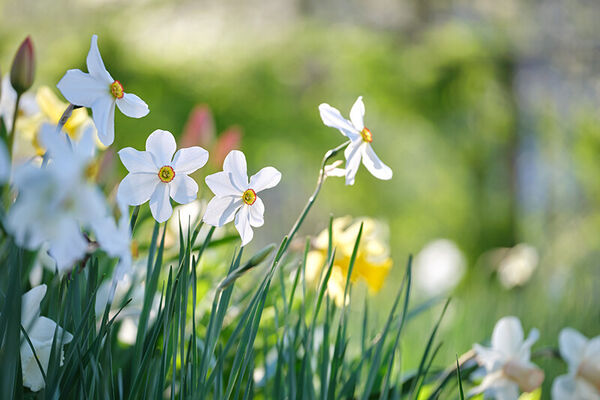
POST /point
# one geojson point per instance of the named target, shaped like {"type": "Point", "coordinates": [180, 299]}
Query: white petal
{"type": "Point", "coordinates": [82, 89]}
{"type": "Point", "coordinates": [242, 224]}
{"type": "Point", "coordinates": [43, 332]}
{"type": "Point", "coordinates": [333, 118]}
{"type": "Point", "coordinates": [137, 161]}
{"type": "Point", "coordinates": [257, 211]}
{"type": "Point", "coordinates": [69, 246]}
{"type": "Point", "coordinates": [572, 345]}
{"type": "Point", "coordinates": [30, 305]}
{"type": "Point", "coordinates": [221, 184]}
{"type": "Point", "coordinates": [137, 188]}
{"type": "Point", "coordinates": [160, 205]}
{"type": "Point", "coordinates": [563, 387]}
{"type": "Point", "coordinates": [378, 169]}
{"type": "Point", "coordinates": [95, 64]}
{"type": "Point", "coordinates": [103, 114]}
{"type": "Point", "coordinates": [221, 210]}
{"type": "Point", "coordinates": [132, 106]}
{"type": "Point", "coordinates": [161, 144]}
{"type": "Point", "coordinates": [235, 164]}
{"type": "Point", "coordinates": [525, 350]}
{"type": "Point", "coordinates": [183, 189]}
{"type": "Point", "coordinates": [353, 155]}
{"type": "Point", "coordinates": [507, 336]}
{"type": "Point", "coordinates": [357, 114]}
{"type": "Point", "coordinates": [266, 178]}
{"type": "Point", "coordinates": [489, 358]}
{"type": "Point", "coordinates": [32, 377]}
{"type": "Point", "coordinates": [189, 159]}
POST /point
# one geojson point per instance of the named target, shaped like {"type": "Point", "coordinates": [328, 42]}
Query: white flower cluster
{"type": "Point", "coordinates": [507, 368]}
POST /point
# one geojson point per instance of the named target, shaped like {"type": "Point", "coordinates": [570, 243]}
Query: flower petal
{"type": "Point", "coordinates": [30, 305]}
{"type": "Point", "coordinates": [357, 114]}
{"type": "Point", "coordinates": [95, 64]}
{"type": "Point", "coordinates": [572, 345]}
{"type": "Point", "coordinates": [235, 164]}
{"type": "Point", "coordinates": [221, 184]}
{"type": "Point", "coordinates": [221, 210]}
{"type": "Point", "coordinates": [160, 205]}
{"type": "Point", "coordinates": [507, 336]}
{"type": "Point", "coordinates": [137, 188]}
{"type": "Point", "coordinates": [378, 169]}
{"type": "Point", "coordinates": [103, 114]}
{"type": "Point", "coordinates": [161, 144]}
{"type": "Point", "coordinates": [266, 178]}
{"type": "Point", "coordinates": [242, 224]}
{"type": "Point", "coordinates": [137, 161]}
{"type": "Point", "coordinates": [257, 211]}
{"type": "Point", "coordinates": [189, 159]}
{"type": "Point", "coordinates": [333, 118]}
{"type": "Point", "coordinates": [183, 189]}
{"type": "Point", "coordinates": [353, 155]}
{"type": "Point", "coordinates": [82, 89]}
{"type": "Point", "coordinates": [132, 106]}
{"type": "Point", "coordinates": [564, 387]}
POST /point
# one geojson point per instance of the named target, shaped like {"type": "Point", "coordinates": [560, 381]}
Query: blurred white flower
{"type": "Point", "coordinates": [56, 201]}
{"type": "Point", "coordinates": [156, 175]}
{"type": "Point", "coordinates": [517, 265]}
{"type": "Point", "coordinates": [507, 363]}
{"type": "Point", "coordinates": [8, 96]}
{"type": "Point", "coordinates": [439, 267]}
{"type": "Point", "coordinates": [41, 333]}
{"type": "Point", "coordinates": [582, 355]}
{"type": "Point", "coordinates": [236, 197]}
{"type": "Point", "coordinates": [100, 92]}
{"type": "Point", "coordinates": [360, 141]}
{"type": "Point", "coordinates": [115, 239]}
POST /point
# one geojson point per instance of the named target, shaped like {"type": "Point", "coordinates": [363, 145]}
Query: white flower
{"type": "Point", "coordinates": [333, 170]}
{"type": "Point", "coordinates": [115, 239]}
{"type": "Point", "coordinates": [518, 265]}
{"type": "Point", "coordinates": [236, 197]}
{"type": "Point", "coordinates": [27, 105]}
{"type": "Point", "coordinates": [155, 174]}
{"type": "Point", "coordinates": [583, 358]}
{"type": "Point", "coordinates": [439, 267]}
{"type": "Point", "coordinates": [56, 201]}
{"type": "Point", "coordinates": [506, 363]}
{"type": "Point", "coordinates": [360, 141]}
{"type": "Point", "coordinates": [41, 333]}
{"type": "Point", "coordinates": [100, 92]}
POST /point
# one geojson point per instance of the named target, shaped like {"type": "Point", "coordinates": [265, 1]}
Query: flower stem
{"type": "Point", "coordinates": [11, 136]}
{"type": "Point", "coordinates": [311, 200]}
{"type": "Point", "coordinates": [65, 116]}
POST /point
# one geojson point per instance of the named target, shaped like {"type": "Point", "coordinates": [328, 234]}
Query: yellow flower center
{"type": "Point", "coordinates": [249, 197]}
{"type": "Point", "coordinates": [117, 89]}
{"type": "Point", "coordinates": [366, 134]}
{"type": "Point", "coordinates": [166, 174]}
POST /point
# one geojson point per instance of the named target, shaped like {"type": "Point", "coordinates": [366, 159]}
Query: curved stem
{"type": "Point", "coordinates": [11, 136]}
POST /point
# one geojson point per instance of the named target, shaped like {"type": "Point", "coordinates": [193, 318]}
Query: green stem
{"type": "Point", "coordinates": [11, 136]}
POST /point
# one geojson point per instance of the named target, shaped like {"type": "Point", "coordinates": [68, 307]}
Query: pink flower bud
{"type": "Point", "coordinates": [23, 67]}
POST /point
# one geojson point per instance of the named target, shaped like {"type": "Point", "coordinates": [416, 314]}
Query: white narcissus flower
{"type": "Point", "coordinates": [582, 355]}
{"type": "Point", "coordinates": [507, 363]}
{"type": "Point", "coordinates": [156, 175]}
{"type": "Point", "coordinates": [236, 197]}
{"type": "Point", "coordinates": [99, 91]}
{"type": "Point", "coordinates": [55, 202]}
{"type": "Point", "coordinates": [41, 333]}
{"type": "Point", "coordinates": [360, 137]}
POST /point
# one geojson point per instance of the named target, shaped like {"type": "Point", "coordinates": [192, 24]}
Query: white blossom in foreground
{"type": "Point", "coordinates": [156, 175]}
{"type": "Point", "coordinates": [114, 237]}
{"type": "Point", "coordinates": [99, 91]}
{"type": "Point", "coordinates": [507, 363]}
{"type": "Point", "coordinates": [360, 137]}
{"type": "Point", "coordinates": [236, 197]}
{"type": "Point", "coordinates": [56, 201]}
{"type": "Point", "coordinates": [582, 355]}
{"type": "Point", "coordinates": [41, 333]}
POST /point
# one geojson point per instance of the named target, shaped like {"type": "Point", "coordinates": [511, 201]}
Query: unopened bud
{"type": "Point", "coordinates": [22, 71]}
{"type": "Point", "coordinates": [527, 376]}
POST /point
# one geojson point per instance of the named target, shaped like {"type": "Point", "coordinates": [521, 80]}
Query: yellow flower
{"type": "Point", "coordinates": [372, 263]}
{"type": "Point", "coordinates": [52, 109]}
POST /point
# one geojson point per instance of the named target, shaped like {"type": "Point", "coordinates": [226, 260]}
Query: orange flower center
{"type": "Point", "coordinates": [249, 197]}
{"type": "Point", "coordinates": [366, 134]}
{"type": "Point", "coordinates": [117, 89]}
{"type": "Point", "coordinates": [166, 174]}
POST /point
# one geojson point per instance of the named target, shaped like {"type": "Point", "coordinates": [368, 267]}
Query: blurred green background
{"type": "Point", "coordinates": [487, 112]}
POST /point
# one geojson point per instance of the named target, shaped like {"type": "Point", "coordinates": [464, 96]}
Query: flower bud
{"type": "Point", "coordinates": [22, 71]}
